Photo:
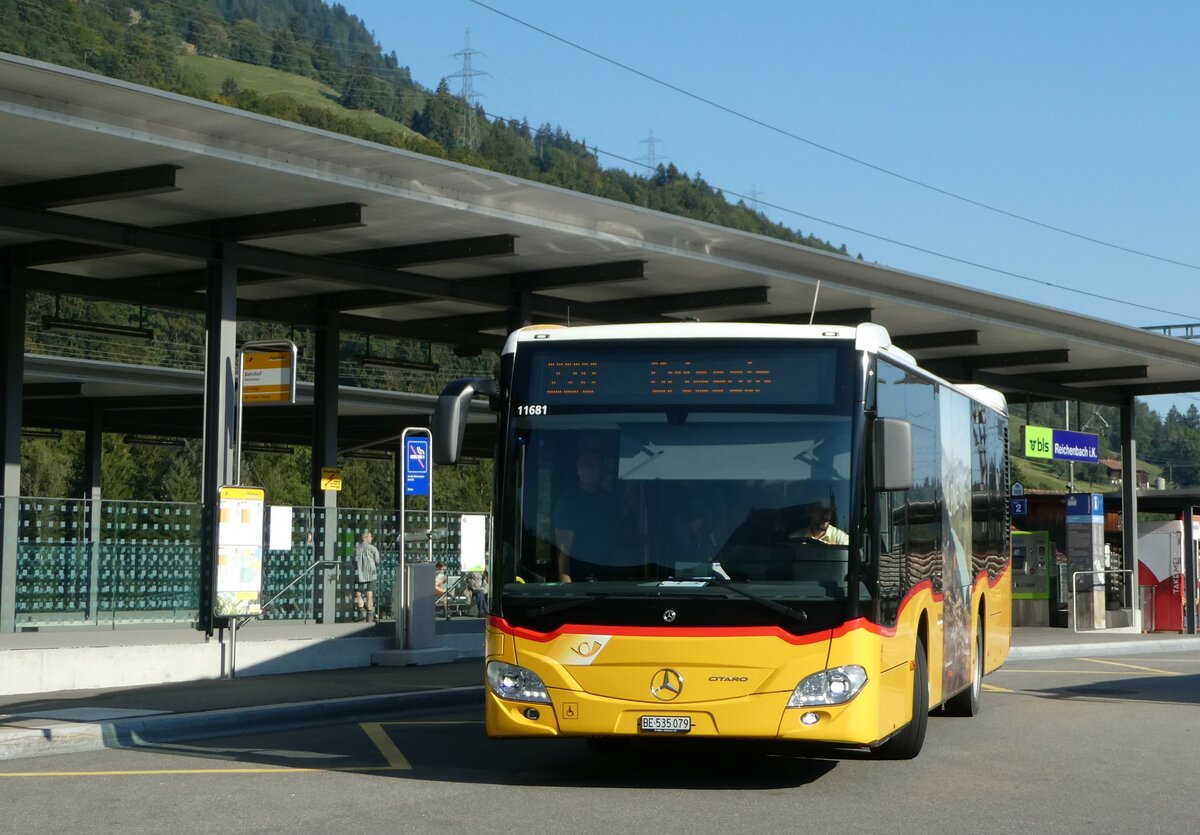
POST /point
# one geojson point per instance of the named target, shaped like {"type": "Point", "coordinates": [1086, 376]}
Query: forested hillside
{"type": "Point", "coordinates": [150, 42]}
{"type": "Point", "coordinates": [314, 63]}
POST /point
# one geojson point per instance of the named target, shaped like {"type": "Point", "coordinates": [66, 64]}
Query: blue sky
{"type": "Point", "coordinates": [1077, 116]}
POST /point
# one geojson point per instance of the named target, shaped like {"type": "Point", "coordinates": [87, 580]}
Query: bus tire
{"type": "Point", "coordinates": [907, 743]}
{"type": "Point", "coordinates": [966, 703]}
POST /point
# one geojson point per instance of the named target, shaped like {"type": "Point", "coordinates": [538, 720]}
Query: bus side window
{"type": "Point", "coordinates": [891, 526]}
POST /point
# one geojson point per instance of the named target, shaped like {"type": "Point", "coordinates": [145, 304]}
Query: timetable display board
{"type": "Point", "coordinates": [240, 551]}
{"type": "Point", "coordinates": [268, 378]}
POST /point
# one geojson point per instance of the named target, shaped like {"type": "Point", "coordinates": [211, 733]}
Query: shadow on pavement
{"type": "Point", "coordinates": [1178, 689]}
{"type": "Point", "coordinates": [452, 746]}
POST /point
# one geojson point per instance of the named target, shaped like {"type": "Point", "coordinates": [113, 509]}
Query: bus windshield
{"type": "Point", "coordinates": [663, 472]}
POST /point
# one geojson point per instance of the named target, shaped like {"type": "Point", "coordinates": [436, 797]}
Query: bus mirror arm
{"type": "Point", "coordinates": [893, 454]}
{"type": "Point", "coordinates": [450, 416]}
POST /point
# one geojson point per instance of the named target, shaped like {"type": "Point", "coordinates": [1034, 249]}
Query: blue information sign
{"type": "Point", "coordinates": [1076, 446]}
{"type": "Point", "coordinates": [416, 467]}
{"type": "Point", "coordinates": [1019, 507]}
{"type": "Point", "coordinates": [1085, 509]}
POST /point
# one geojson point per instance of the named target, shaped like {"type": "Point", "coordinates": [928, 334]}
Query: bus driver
{"type": "Point", "coordinates": [585, 521]}
{"type": "Point", "coordinates": [820, 528]}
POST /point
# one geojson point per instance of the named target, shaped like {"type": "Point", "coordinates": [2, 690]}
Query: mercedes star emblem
{"type": "Point", "coordinates": [666, 685]}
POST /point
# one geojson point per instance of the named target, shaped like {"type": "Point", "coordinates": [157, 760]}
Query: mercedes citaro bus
{"type": "Point", "coordinates": [748, 531]}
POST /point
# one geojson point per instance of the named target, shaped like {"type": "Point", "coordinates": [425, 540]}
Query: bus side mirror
{"type": "Point", "coordinates": [893, 454]}
{"type": "Point", "coordinates": [450, 416]}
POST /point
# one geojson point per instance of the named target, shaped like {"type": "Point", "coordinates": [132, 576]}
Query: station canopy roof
{"type": "Point", "coordinates": [116, 191]}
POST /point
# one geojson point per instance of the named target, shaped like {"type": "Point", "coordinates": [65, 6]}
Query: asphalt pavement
{"type": "Point", "coordinates": [82, 720]}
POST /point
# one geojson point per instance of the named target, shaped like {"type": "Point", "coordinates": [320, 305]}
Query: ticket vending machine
{"type": "Point", "coordinates": [1031, 578]}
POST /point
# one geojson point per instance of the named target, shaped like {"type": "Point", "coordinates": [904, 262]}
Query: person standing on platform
{"type": "Point", "coordinates": [366, 573]}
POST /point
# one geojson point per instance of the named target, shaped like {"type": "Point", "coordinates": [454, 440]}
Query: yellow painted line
{"type": "Point", "coordinates": [160, 772]}
{"type": "Point", "coordinates": [1133, 667]}
{"type": "Point", "coordinates": [993, 688]}
{"type": "Point", "coordinates": [1174, 661]}
{"type": "Point", "coordinates": [1062, 672]}
{"type": "Point", "coordinates": [396, 761]}
{"type": "Point", "coordinates": [383, 742]}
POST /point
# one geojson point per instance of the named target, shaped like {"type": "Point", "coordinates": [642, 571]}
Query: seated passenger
{"type": "Point", "coordinates": [441, 589]}
{"type": "Point", "coordinates": [477, 586]}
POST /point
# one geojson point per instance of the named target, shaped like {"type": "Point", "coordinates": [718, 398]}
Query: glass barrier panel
{"type": "Point", "coordinates": [117, 562]}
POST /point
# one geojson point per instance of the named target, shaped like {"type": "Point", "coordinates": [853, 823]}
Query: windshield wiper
{"type": "Point", "coordinates": [774, 605]}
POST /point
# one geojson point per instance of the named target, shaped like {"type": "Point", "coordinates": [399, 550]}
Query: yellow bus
{"type": "Point", "coordinates": [752, 531]}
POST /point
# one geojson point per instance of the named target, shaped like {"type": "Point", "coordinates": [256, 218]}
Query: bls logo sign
{"type": "Point", "coordinates": [1039, 442]}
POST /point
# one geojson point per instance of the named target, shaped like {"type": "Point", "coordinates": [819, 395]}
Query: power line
{"type": "Point", "coordinates": [923, 250]}
{"type": "Point", "coordinates": [833, 151]}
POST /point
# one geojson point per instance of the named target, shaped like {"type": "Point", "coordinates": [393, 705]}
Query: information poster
{"type": "Point", "coordinates": [473, 542]}
{"type": "Point", "coordinates": [268, 377]}
{"type": "Point", "coordinates": [281, 527]}
{"type": "Point", "coordinates": [240, 551]}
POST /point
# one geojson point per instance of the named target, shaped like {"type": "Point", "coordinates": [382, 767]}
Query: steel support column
{"type": "Point", "coordinates": [93, 445]}
{"type": "Point", "coordinates": [324, 454]}
{"type": "Point", "coordinates": [1189, 570]}
{"type": "Point", "coordinates": [398, 479]}
{"type": "Point", "coordinates": [220, 413]}
{"type": "Point", "coordinates": [12, 365]}
{"type": "Point", "coordinates": [1129, 528]}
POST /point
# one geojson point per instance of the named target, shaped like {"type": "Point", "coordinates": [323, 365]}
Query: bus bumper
{"type": "Point", "coordinates": [863, 721]}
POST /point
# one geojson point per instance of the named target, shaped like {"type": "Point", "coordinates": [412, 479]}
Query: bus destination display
{"type": "Point", "coordinates": [663, 378]}
{"type": "Point", "coordinates": [765, 376]}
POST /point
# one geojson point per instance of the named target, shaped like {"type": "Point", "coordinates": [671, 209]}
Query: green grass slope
{"type": "Point", "coordinates": [267, 81]}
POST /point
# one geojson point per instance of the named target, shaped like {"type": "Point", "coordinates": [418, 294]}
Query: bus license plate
{"type": "Point", "coordinates": [665, 724]}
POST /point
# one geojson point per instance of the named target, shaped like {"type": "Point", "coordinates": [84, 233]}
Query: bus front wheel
{"type": "Point", "coordinates": [908, 742]}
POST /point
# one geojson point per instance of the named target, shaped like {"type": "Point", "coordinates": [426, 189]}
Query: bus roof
{"type": "Point", "coordinates": [867, 337]}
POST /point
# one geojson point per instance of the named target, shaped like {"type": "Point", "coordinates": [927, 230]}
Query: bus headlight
{"type": "Point", "coordinates": [829, 687]}
{"type": "Point", "coordinates": [508, 681]}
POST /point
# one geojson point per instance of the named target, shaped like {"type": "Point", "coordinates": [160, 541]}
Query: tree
{"type": "Point", "coordinates": [440, 117]}
{"type": "Point", "coordinates": [356, 94]}
{"type": "Point", "coordinates": [248, 44]}
{"type": "Point", "coordinates": [507, 150]}
{"type": "Point", "coordinates": [207, 32]}
{"type": "Point", "coordinates": [285, 53]}
{"type": "Point", "coordinates": [51, 468]}
{"type": "Point", "coordinates": [327, 67]}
